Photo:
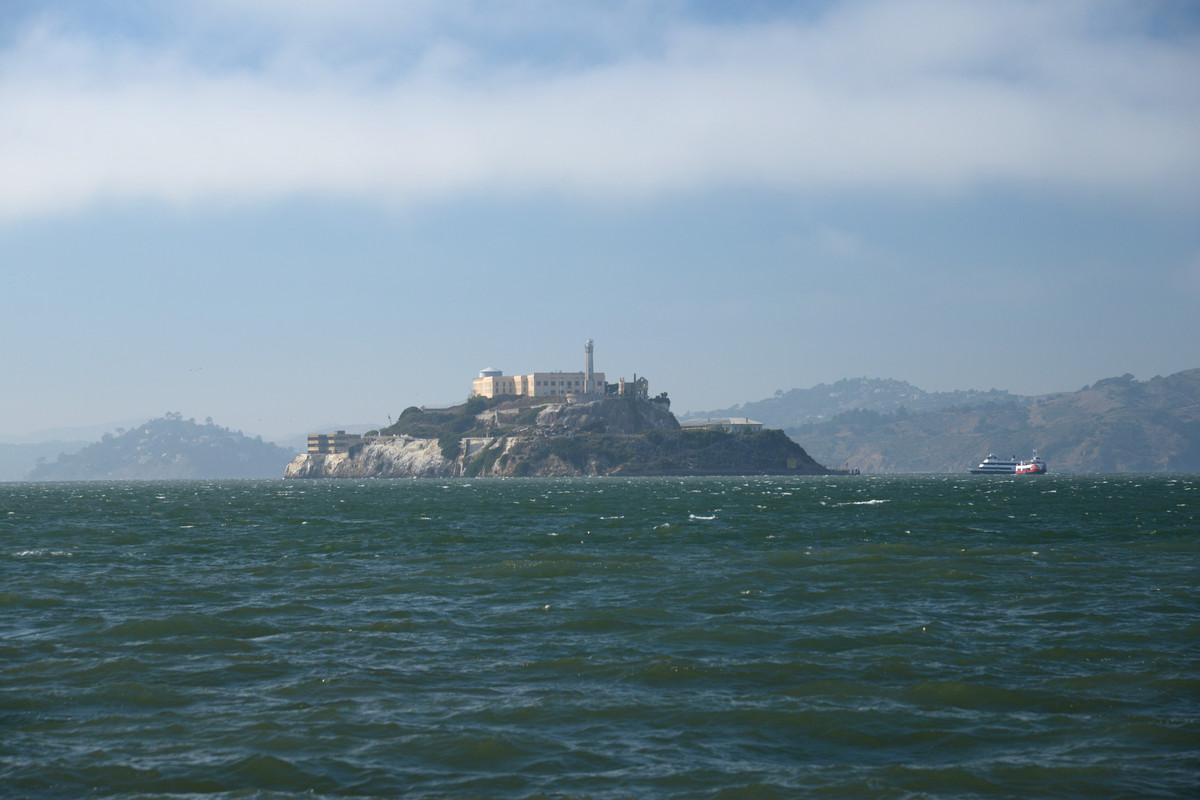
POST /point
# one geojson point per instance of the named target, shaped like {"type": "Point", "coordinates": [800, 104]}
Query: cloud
{"type": "Point", "coordinates": [420, 103]}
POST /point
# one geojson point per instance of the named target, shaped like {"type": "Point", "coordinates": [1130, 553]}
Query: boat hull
{"type": "Point", "coordinates": [997, 466]}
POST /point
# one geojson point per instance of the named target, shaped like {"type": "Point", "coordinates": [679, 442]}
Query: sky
{"type": "Point", "coordinates": [286, 214]}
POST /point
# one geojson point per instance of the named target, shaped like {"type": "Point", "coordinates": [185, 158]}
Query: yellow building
{"type": "Point", "coordinates": [337, 442]}
{"type": "Point", "coordinates": [494, 383]}
{"type": "Point", "coordinates": [589, 383]}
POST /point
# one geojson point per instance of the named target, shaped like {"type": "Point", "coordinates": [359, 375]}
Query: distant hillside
{"type": "Point", "coordinates": [1115, 425]}
{"type": "Point", "coordinates": [169, 448]}
{"type": "Point", "coordinates": [882, 395]}
{"type": "Point", "coordinates": [17, 459]}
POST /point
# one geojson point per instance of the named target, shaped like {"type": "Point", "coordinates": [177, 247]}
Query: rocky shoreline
{"type": "Point", "coordinates": [598, 438]}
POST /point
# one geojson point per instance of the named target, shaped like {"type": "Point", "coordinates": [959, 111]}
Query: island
{"type": "Point", "coordinates": [548, 437]}
{"type": "Point", "coordinates": [168, 448]}
{"type": "Point", "coordinates": [549, 424]}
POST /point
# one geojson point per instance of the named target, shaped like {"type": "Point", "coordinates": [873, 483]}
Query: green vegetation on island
{"type": "Point", "coordinates": [655, 452]}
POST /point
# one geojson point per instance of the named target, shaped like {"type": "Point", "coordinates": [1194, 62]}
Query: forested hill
{"type": "Point", "coordinates": [166, 449]}
{"type": "Point", "coordinates": [821, 403]}
{"type": "Point", "coordinates": [1115, 425]}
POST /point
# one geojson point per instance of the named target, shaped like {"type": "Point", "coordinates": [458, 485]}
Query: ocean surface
{"type": "Point", "coordinates": [934, 636]}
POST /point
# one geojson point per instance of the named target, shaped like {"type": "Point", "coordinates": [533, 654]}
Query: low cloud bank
{"type": "Point", "coordinates": [914, 96]}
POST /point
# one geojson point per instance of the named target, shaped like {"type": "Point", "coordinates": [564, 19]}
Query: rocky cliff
{"type": "Point", "coordinates": [616, 417]}
{"type": "Point", "coordinates": [377, 457]}
{"type": "Point", "coordinates": [521, 439]}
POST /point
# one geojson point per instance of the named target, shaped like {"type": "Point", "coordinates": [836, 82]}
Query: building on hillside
{"type": "Point", "coordinates": [729, 424]}
{"type": "Point", "coordinates": [589, 383]}
{"type": "Point", "coordinates": [638, 387]}
{"type": "Point", "coordinates": [336, 442]}
{"type": "Point", "coordinates": [494, 383]}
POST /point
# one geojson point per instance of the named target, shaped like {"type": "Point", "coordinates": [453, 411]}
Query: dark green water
{"type": "Point", "coordinates": [713, 638]}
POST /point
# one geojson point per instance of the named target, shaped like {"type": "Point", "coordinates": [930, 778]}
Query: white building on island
{"type": "Point", "coordinates": [492, 382]}
{"type": "Point", "coordinates": [728, 424]}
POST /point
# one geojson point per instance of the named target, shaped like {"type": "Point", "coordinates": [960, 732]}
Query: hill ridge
{"type": "Point", "coordinates": [168, 448]}
{"type": "Point", "coordinates": [1117, 424]}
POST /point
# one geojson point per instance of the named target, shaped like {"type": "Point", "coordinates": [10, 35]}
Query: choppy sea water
{"type": "Point", "coordinates": [948, 636]}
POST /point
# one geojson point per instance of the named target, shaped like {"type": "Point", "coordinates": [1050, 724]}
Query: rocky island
{"type": "Point", "coordinates": [509, 436]}
{"type": "Point", "coordinates": [548, 424]}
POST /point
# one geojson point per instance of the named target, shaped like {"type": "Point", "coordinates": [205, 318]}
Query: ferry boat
{"type": "Point", "coordinates": [994, 465]}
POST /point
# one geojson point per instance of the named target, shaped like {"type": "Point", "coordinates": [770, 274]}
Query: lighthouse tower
{"type": "Point", "coordinates": [589, 375]}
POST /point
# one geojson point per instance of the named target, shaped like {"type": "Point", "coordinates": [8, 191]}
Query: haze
{"type": "Point", "coordinates": [283, 214]}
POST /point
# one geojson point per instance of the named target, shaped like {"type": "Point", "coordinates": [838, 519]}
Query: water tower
{"type": "Point", "coordinates": [589, 375]}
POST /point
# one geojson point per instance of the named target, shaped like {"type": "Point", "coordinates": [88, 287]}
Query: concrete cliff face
{"type": "Point", "coordinates": [384, 457]}
{"type": "Point", "coordinates": [605, 437]}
